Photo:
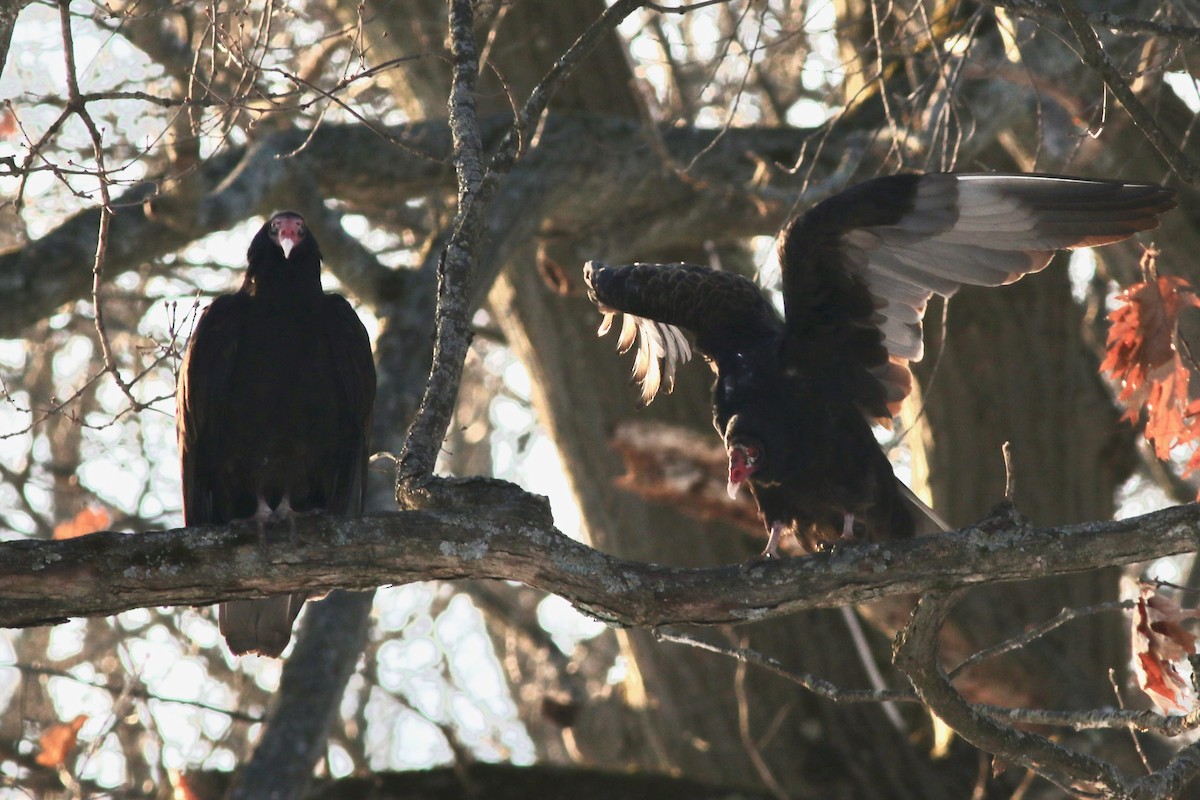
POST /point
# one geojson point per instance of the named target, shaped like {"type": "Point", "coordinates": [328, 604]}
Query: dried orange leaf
{"type": "Point", "coordinates": [91, 519]}
{"type": "Point", "coordinates": [58, 742]}
{"type": "Point", "coordinates": [1143, 357]}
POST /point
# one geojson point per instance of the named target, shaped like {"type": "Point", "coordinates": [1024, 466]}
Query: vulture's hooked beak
{"type": "Point", "coordinates": [742, 463]}
{"type": "Point", "coordinates": [288, 231]}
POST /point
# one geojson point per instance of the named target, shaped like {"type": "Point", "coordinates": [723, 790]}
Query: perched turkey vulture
{"type": "Point", "coordinates": [274, 408]}
{"type": "Point", "coordinates": [794, 398]}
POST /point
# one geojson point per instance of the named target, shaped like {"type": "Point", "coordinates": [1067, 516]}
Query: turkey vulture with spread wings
{"type": "Point", "coordinates": [794, 397]}
{"type": "Point", "coordinates": [274, 408]}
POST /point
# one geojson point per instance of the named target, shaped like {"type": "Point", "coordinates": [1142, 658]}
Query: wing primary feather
{"type": "Point", "coordinates": [628, 333]}
{"type": "Point", "coordinates": [677, 352]}
{"type": "Point", "coordinates": [872, 255]}
{"type": "Point", "coordinates": [723, 311]}
{"type": "Point", "coordinates": [646, 365]}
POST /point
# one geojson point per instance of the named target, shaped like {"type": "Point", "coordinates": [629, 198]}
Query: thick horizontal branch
{"type": "Point", "coordinates": [595, 174]}
{"type": "Point", "coordinates": [497, 532]}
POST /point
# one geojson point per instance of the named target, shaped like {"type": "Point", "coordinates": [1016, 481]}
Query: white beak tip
{"type": "Point", "coordinates": [732, 488]}
{"type": "Point", "coordinates": [286, 246]}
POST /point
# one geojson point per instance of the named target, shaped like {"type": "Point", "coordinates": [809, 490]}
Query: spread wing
{"type": "Point", "coordinates": [726, 314]}
{"type": "Point", "coordinates": [351, 350]}
{"type": "Point", "coordinates": [859, 267]}
{"type": "Point", "coordinates": [203, 384]}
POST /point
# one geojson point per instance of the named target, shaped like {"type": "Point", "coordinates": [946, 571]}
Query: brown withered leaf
{"type": "Point", "coordinates": [1160, 647]}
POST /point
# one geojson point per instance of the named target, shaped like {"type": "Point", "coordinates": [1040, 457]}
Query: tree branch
{"type": "Point", "coordinates": [496, 532]}
{"type": "Point", "coordinates": [581, 190]}
{"type": "Point", "coordinates": [917, 656]}
{"type": "Point", "coordinates": [1042, 9]}
{"type": "Point", "coordinates": [477, 186]}
{"type": "Point", "coordinates": [1094, 56]}
{"type": "Point", "coordinates": [814, 683]}
{"type": "Point", "coordinates": [1150, 721]}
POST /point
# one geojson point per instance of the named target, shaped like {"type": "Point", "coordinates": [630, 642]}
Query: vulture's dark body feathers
{"type": "Point", "coordinates": [794, 397]}
{"type": "Point", "coordinates": [274, 406]}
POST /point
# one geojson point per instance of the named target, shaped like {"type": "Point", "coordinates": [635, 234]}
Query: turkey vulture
{"type": "Point", "coordinates": [274, 408]}
{"type": "Point", "coordinates": [794, 397]}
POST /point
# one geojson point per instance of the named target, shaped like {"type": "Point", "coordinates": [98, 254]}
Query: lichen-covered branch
{"type": "Point", "coordinates": [497, 532]}
{"type": "Point", "coordinates": [477, 186]}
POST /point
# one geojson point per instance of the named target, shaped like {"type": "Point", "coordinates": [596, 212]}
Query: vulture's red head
{"type": "Point", "coordinates": [745, 457]}
{"type": "Point", "coordinates": [287, 230]}
{"type": "Point", "coordinates": [283, 258]}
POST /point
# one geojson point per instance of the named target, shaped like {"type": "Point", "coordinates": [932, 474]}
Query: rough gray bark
{"type": "Point", "coordinates": [9, 10]}
{"type": "Point", "coordinates": [495, 531]}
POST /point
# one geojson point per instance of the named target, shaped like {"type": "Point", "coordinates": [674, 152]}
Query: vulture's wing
{"type": "Point", "coordinates": [859, 267]}
{"type": "Point", "coordinates": [200, 403]}
{"type": "Point", "coordinates": [726, 313]}
{"type": "Point", "coordinates": [355, 376]}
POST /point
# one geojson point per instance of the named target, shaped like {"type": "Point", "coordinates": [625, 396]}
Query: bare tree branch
{"type": "Point", "coordinates": [1043, 9]}
{"type": "Point", "coordinates": [477, 186]}
{"type": "Point", "coordinates": [1150, 721]}
{"type": "Point", "coordinates": [494, 531]}
{"type": "Point", "coordinates": [1094, 56]}
{"type": "Point", "coordinates": [814, 683]}
{"type": "Point", "coordinates": [352, 165]}
{"type": "Point", "coordinates": [917, 656]}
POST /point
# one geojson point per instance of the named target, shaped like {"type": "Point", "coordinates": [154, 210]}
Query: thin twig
{"type": "Point", "coordinates": [1102, 19]}
{"type": "Point", "coordinates": [76, 106]}
{"type": "Point", "coordinates": [815, 684]}
{"type": "Point", "coordinates": [1036, 632]}
{"type": "Point", "coordinates": [134, 689]}
{"type": "Point", "coordinates": [1137, 743]}
{"type": "Point", "coordinates": [1010, 473]}
{"type": "Point", "coordinates": [752, 749]}
{"type": "Point", "coordinates": [1094, 56]}
{"type": "Point", "coordinates": [1098, 719]}
{"type": "Point", "coordinates": [517, 138]}
{"type": "Point", "coordinates": [863, 648]}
